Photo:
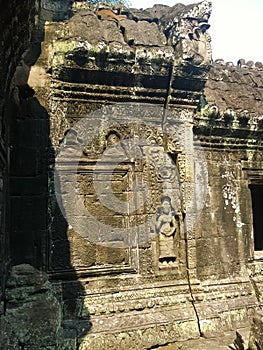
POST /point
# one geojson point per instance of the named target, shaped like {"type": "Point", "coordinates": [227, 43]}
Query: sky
{"type": "Point", "coordinates": [236, 27]}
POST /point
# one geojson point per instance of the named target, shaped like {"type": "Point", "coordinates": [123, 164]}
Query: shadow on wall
{"type": "Point", "coordinates": [43, 314]}
{"type": "Point", "coordinates": [40, 312]}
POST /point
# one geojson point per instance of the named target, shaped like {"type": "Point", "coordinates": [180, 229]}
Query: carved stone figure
{"type": "Point", "coordinates": [112, 138]}
{"type": "Point", "coordinates": [188, 34]}
{"type": "Point", "coordinates": [167, 225]}
{"type": "Point", "coordinates": [113, 145]}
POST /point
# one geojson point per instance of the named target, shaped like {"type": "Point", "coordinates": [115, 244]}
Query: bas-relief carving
{"type": "Point", "coordinates": [196, 43]}
{"type": "Point", "coordinates": [113, 145]}
{"type": "Point", "coordinates": [156, 169]}
{"type": "Point", "coordinates": [158, 332]}
{"type": "Point", "coordinates": [167, 226]}
{"type": "Point", "coordinates": [88, 256]}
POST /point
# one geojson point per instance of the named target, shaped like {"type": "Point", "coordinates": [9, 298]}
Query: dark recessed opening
{"type": "Point", "coordinates": [257, 206]}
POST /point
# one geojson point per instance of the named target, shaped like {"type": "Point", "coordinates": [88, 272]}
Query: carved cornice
{"type": "Point", "coordinates": [228, 127]}
{"type": "Point", "coordinates": [241, 63]}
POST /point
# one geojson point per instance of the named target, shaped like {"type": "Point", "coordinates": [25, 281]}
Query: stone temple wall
{"type": "Point", "coordinates": [102, 99]}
